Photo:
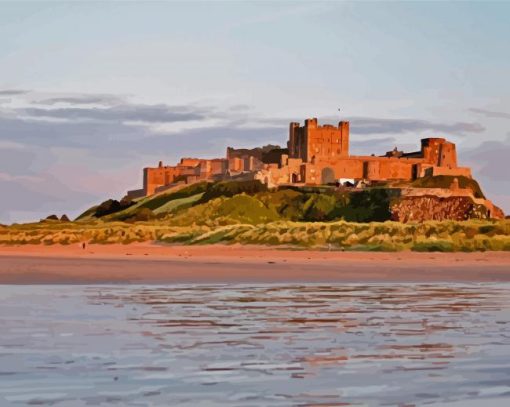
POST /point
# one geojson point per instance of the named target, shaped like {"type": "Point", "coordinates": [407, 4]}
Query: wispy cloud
{"type": "Point", "coordinates": [122, 113]}
{"type": "Point", "coordinates": [30, 197]}
{"type": "Point", "coordinates": [371, 125]}
{"type": "Point", "coordinates": [12, 92]}
{"type": "Point", "coordinates": [491, 159]}
{"type": "Point", "coordinates": [240, 108]}
{"type": "Point", "coordinates": [489, 162]}
{"type": "Point", "coordinates": [375, 125]}
{"type": "Point", "coordinates": [386, 142]}
{"type": "Point", "coordinates": [491, 113]}
{"type": "Point", "coordinates": [106, 100]}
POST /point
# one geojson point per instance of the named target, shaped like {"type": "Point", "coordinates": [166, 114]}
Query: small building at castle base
{"type": "Point", "coordinates": [314, 155]}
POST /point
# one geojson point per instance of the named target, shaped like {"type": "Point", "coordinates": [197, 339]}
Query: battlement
{"type": "Point", "coordinates": [313, 142]}
{"type": "Point", "coordinates": [316, 154]}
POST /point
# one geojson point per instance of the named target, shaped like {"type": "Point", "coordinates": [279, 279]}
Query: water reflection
{"type": "Point", "coordinates": [274, 345]}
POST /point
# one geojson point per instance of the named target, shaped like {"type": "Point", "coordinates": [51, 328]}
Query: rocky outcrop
{"type": "Point", "coordinates": [431, 207]}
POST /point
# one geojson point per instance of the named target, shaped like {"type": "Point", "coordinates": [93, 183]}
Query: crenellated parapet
{"type": "Point", "coordinates": [315, 154]}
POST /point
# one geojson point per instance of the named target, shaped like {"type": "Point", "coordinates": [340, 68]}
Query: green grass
{"type": "Point", "coordinates": [197, 203]}
{"type": "Point", "coordinates": [157, 203]}
{"type": "Point", "coordinates": [225, 211]}
{"type": "Point", "coordinates": [88, 214]}
{"type": "Point", "coordinates": [179, 203]}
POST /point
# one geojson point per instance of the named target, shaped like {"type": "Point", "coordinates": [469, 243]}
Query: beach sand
{"type": "Point", "coordinates": [146, 263]}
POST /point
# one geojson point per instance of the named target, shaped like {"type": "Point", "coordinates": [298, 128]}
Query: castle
{"type": "Point", "coordinates": [314, 155]}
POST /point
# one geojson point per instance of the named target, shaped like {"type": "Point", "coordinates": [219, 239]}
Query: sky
{"type": "Point", "coordinates": [92, 92]}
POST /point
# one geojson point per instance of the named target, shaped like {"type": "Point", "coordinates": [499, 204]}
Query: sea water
{"type": "Point", "coordinates": [255, 345]}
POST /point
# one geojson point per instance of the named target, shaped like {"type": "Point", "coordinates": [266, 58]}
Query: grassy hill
{"type": "Point", "coordinates": [246, 212]}
{"type": "Point", "coordinates": [231, 202]}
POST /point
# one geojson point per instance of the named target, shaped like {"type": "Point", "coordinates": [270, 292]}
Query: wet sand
{"type": "Point", "coordinates": [146, 263]}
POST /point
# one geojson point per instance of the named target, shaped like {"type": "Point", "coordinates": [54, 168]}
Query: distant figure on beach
{"type": "Point", "coordinates": [83, 245]}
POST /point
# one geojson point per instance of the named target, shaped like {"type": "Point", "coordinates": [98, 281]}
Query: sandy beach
{"type": "Point", "coordinates": [146, 263]}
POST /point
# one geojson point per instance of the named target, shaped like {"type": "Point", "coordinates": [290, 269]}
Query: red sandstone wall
{"type": "Point", "coordinates": [371, 168]}
{"type": "Point", "coordinates": [318, 154]}
{"type": "Point", "coordinates": [448, 155]}
{"type": "Point", "coordinates": [459, 171]}
{"type": "Point", "coordinates": [190, 162]}
{"type": "Point", "coordinates": [235, 164]}
{"type": "Point", "coordinates": [439, 152]}
{"type": "Point", "coordinates": [219, 166]}
{"type": "Point", "coordinates": [313, 142]}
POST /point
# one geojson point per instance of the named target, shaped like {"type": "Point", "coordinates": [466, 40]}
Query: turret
{"type": "Point", "coordinates": [344, 138]}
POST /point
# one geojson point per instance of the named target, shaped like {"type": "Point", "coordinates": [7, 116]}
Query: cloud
{"type": "Point", "coordinates": [84, 100]}
{"type": "Point", "coordinates": [10, 145]}
{"type": "Point", "coordinates": [29, 198]}
{"type": "Point", "coordinates": [386, 142]}
{"type": "Point", "coordinates": [121, 113]}
{"type": "Point", "coordinates": [491, 159]}
{"type": "Point", "coordinates": [374, 125]}
{"type": "Point", "coordinates": [8, 177]}
{"type": "Point", "coordinates": [489, 162]}
{"type": "Point", "coordinates": [371, 125]}
{"type": "Point", "coordinates": [207, 142]}
{"type": "Point", "coordinates": [12, 92]}
{"type": "Point", "coordinates": [491, 113]}
{"type": "Point", "coordinates": [90, 135]}
{"type": "Point", "coordinates": [240, 108]}
{"type": "Point", "coordinates": [17, 160]}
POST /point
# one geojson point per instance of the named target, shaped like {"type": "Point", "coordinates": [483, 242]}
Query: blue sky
{"type": "Point", "coordinates": [90, 92]}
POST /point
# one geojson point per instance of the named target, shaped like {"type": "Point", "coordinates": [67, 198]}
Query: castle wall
{"type": "Point", "coordinates": [219, 166]}
{"type": "Point", "coordinates": [188, 170]}
{"type": "Point", "coordinates": [156, 177]}
{"type": "Point", "coordinates": [316, 155]}
{"type": "Point", "coordinates": [459, 171]}
{"type": "Point", "coordinates": [361, 167]}
{"type": "Point", "coordinates": [235, 164]}
{"type": "Point", "coordinates": [189, 162]}
{"type": "Point", "coordinates": [324, 151]}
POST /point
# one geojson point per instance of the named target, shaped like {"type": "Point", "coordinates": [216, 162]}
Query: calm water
{"type": "Point", "coordinates": [272, 345]}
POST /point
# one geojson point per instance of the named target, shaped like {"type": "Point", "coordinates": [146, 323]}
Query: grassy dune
{"type": "Point", "coordinates": [339, 235]}
{"type": "Point", "coordinates": [246, 212]}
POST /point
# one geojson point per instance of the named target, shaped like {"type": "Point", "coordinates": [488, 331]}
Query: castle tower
{"type": "Point", "coordinates": [314, 143]}
{"type": "Point", "coordinates": [439, 152]}
{"type": "Point", "coordinates": [293, 143]}
{"type": "Point", "coordinates": [344, 138]}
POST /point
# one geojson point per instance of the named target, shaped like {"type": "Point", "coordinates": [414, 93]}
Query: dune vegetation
{"type": "Point", "coordinates": [245, 212]}
{"type": "Point", "coordinates": [445, 236]}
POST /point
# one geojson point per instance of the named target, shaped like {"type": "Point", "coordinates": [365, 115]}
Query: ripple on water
{"type": "Point", "coordinates": [271, 345]}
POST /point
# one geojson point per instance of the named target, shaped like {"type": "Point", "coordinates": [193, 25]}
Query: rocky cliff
{"type": "Point", "coordinates": [431, 207]}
